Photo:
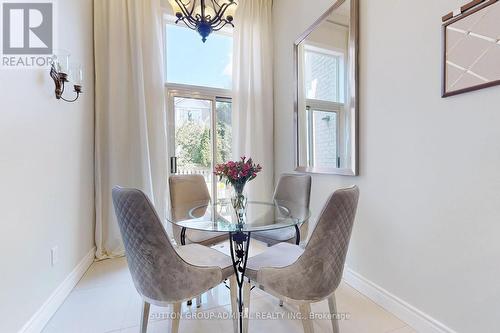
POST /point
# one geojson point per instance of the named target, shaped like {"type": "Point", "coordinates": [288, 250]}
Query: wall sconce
{"type": "Point", "coordinates": [62, 72]}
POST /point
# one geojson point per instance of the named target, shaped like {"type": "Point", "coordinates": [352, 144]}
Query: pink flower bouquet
{"type": "Point", "coordinates": [238, 174]}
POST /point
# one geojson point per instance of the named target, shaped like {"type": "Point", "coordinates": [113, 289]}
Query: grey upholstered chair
{"type": "Point", "coordinates": [294, 188]}
{"type": "Point", "coordinates": [305, 276]}
{"type": "Point", "coordinates": [163, 275]}
{"type": "Point", "coordinates": [186, 191]}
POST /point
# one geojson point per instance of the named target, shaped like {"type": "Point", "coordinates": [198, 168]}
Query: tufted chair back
{"type": "Point", "coordinates": [160, 275]}
{"type": "Point", "coordinates": [318, 271]}
{"type": "Point", "coordinates": [294, 188]}
{"type": "Point", "coordinates": [186, 191]}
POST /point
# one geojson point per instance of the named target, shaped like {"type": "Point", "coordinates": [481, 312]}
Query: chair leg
{"type": "Point", "coordinates": [144, 317]}
{"type": "Point", "coordinates": [246, 305]}
{"type": "Point", "coordinates": [176, 318]}
{"type": "Point", "coordinates": [198, 301]}
{"type": "Point", "coordinates": [305, 312]}
{"type": "Point", "coordinates": [332, 304]}
{"type": "Point", "coordinates": [234, 301]}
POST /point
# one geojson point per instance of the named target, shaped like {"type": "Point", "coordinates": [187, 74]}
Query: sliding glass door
{"type": "Point", "coordinates": [200, 136]}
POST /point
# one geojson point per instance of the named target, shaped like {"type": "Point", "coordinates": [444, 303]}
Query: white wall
{"type": "Point", "coordinates": [46, 174]}
{"type": "Point", "coordinates": [428, 221]}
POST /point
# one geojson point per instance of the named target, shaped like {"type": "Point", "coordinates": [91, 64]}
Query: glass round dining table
{"type": "Point", "coordinates": [259, 216]}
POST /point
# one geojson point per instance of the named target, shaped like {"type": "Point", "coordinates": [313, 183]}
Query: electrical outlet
{"type": "Point", "coordinates": [54, 255]}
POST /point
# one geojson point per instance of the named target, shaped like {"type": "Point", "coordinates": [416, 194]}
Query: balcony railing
{"type": "Point", "coordinates": [222, 190]}
{"type": "Point", "coordinates": [205, 172]}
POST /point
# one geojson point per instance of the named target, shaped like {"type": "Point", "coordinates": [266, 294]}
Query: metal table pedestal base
{"type": "Point", "coordinates": [239, 243]}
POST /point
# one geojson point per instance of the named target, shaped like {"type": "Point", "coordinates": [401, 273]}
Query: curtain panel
{"type": "Point", "coordinates": [253, 92]}
{"type": "Point", "coordinates": [130, 117]}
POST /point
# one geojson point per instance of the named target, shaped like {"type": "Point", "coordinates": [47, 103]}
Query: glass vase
{"type": "Point", "coordinates": [239, 201]}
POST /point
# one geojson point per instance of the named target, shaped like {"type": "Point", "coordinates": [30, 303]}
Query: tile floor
{"type": "Point", "coordinates": [106, 301]}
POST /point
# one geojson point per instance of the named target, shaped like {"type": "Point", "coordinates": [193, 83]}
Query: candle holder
{"type": "Point", "coordinates": [58, 73]}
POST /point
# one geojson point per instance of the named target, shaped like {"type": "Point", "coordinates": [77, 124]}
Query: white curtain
{"type": "Point", "coordinates": [130, 119]}
{"type": "Point", "coordinates": [253, 92]}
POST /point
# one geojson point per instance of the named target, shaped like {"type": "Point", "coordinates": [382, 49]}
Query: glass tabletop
{"type": "Point", "coordinates": [260, 216]}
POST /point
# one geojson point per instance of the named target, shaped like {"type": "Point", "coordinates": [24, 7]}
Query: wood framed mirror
{"type": "Point", "coordinates": [471, 48]}
{"type": "Point", "coordinates": [326, 93]}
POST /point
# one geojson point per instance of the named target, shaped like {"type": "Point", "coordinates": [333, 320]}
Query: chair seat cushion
{"type": "Point", "coordinates": [280, 235]}
{"type": "Point", "coordinates": [203, 256]}
{"type": "Point", "coordinates": [196, 236]}
{"type": "Point", "coordinates": [279, 255]}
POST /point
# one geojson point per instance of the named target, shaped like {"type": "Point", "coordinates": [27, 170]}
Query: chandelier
{"type": "Point", "coordinates": [204, 16]}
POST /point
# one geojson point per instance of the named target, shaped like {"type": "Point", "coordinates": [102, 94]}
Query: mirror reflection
{"type": "Point", "coordinates": [326, 119]}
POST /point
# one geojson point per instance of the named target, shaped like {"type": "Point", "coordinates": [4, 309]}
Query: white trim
{"type": "Point", "coordinates": [41, 317]}
{"type": "Point", "coordinates": [324, 49]}
{"type": "Point", "coordinates": [197, 90]}
{"type": "Point", "coordinates": [318, 104]}
{"type": "Point", "coordinates": [414, 317]}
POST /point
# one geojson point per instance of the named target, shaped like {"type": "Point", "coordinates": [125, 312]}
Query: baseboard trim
{"type": "Point", "coordinates": [38, 321]}
{"type": "Point", "coordinates": [418, 320]}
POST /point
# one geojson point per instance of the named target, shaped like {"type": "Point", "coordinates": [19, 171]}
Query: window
{"type": "Point", "coordinates": [191, 62]}
{"type": "Point", "coordinates": [323, 72]}
{"type": "Point", "coordinates": [199, 105]}
{"type": "Point", "coordinates": [322, 137]}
